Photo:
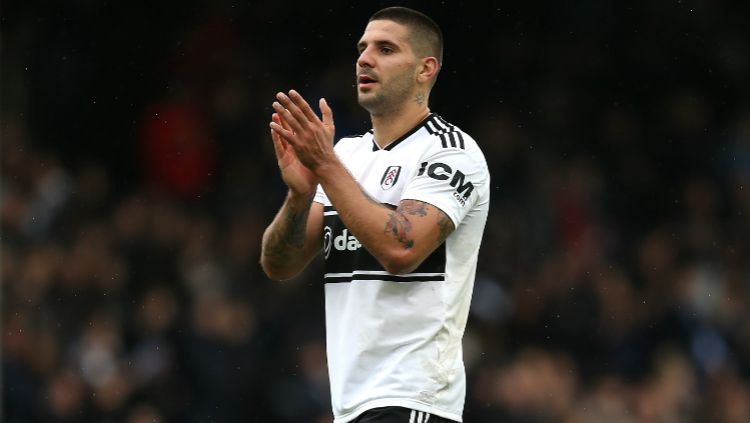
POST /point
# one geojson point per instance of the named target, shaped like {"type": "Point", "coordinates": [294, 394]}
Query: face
{"type": "Point", "coordinates": [386, 67]}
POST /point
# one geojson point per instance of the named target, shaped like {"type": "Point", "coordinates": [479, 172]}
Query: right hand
{"type": "Point", "coordinates": [300, 180]}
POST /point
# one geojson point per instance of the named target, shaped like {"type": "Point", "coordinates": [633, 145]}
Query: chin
{"type": "Point", "coordinates": [369, 102]}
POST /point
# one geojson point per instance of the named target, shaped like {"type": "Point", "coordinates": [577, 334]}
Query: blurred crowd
{"type": "Point", "coordinates": [138, 177]}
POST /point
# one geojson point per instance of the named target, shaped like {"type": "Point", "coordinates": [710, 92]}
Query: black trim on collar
{"type": "Point", "coordinates": [390, 146]}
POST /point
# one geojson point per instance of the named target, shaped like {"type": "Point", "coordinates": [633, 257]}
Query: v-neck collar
{"type": "Point", "coordinates": [409, 133]}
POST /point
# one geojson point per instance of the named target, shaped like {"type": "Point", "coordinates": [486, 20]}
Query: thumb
{"type": "Point", "coordinates": [327, 113]}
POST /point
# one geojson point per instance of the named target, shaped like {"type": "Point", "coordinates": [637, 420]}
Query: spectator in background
{"type": "Point", "coordinates": [179, 153]}
{"type": "Point", "coordinates": [595, 111]}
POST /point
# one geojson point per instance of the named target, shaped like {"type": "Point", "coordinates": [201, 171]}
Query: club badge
{"type": "Point", "coordinates": [390, 177]}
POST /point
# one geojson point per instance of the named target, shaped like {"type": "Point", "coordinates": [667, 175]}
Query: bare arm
{"type": "Point", "coordinates": [399, 239]}
{"type": "Point", "coordinates": [292, 239]}
{"type": "Point", "coordinates": [294, 236]}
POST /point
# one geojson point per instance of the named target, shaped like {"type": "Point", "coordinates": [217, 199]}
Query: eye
{"type": "Point", "coordinates": [386, 50]}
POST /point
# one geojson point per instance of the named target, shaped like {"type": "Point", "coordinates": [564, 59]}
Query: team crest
{"type": "Point", "coordinates": [390, 177]}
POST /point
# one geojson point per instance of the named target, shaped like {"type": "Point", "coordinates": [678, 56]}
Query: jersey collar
{"type": "Point", "coordinates": [409, 133]}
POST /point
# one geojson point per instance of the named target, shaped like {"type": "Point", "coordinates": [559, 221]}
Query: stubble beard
{"type": "Point", "coordinates": [390, 98]}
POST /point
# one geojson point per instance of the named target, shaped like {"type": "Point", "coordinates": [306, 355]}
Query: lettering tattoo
{"type": "Point", "coordinates": [398, 223]}
{"type": "Point", "coordinates": [420, 98]}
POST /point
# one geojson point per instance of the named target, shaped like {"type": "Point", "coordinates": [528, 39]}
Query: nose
{"type": "Point", "coordinates": [365, 59]}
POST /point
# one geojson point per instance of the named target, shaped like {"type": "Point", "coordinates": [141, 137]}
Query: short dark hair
{"type": "Point", "coordinates": [426, 36]}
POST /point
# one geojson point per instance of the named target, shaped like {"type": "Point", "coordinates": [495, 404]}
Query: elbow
{"type": "Point", "coordinates": [276, 273]}
{"type": "Point", "coordinates": [401, 262]}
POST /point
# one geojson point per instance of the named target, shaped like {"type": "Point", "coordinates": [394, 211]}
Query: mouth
{"type": "Point", "coordinates": [366, 81]}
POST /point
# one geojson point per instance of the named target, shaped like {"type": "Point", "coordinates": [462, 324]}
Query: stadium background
{"type": "Point", "coordinates": [138, 175]}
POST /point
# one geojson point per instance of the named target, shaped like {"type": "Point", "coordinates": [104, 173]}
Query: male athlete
{"type": "Point", "coordinates": [400, 212]}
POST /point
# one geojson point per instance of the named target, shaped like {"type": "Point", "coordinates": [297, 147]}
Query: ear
{"type": "Point", "coordinates": [427, 70]}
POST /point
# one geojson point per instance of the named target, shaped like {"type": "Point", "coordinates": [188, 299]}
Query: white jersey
{"type": "Point", "coordinates": [395, 340]}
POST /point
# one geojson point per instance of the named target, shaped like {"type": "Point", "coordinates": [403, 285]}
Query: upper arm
{"type": "Point", "coordinates": [446, 186]}
{"type": "Point", "coordinates": [419, 228]}
{"type": "Point", "coordinates": [313, 231]}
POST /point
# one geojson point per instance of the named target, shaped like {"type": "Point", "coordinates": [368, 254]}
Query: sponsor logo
{"type": "Point", "coordinates": [343, 242]}
{"type": "Point", "coordinates": [327, 239]}
{"type": "Point", "coordinates": [390, 176]}
{"type": "Point", "coordinates": [443, 172]}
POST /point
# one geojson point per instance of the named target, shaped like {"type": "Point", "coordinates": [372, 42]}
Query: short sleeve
{"type": "Point", "coordinates": [320, 196]}
{"type": "Point", "coordinates": [451, 180]}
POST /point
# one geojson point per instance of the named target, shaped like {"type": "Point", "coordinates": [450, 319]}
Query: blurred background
{"type": "Point", "coordinates": [138, 176]}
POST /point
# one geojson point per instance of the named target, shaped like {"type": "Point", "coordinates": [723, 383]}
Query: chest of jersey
{"type": "Point", "coordinates": [383, 174]}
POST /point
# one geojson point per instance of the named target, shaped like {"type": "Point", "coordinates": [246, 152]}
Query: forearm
{"type": "Point", "coordinates": [284, 253]}
{"type": "Point", "coordinates": [383, 231]}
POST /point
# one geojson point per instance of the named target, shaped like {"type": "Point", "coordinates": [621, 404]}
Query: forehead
{"type": "Point", "coordinates": [385, 30]}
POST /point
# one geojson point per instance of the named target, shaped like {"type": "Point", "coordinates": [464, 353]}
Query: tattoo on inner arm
{"type": "Point", "coordinates": [292, 236]}
{"type": "Point", "coordinates": [297, 222]}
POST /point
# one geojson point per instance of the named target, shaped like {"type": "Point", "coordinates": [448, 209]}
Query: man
{"type": "Point", "coordinates": [400, 211]}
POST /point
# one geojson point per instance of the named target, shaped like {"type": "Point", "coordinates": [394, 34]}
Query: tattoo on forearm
{"type": "Point", "coordinates": [420, 98]}
{"type": "Point", "coordinates": [292, 235]}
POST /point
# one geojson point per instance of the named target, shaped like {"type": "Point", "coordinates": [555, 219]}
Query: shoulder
{"type": "Point", "coordinates": [447, 139]}
{"type": "Point", "coordinates": [351, 143]}
{"type": "Point", "coordinates": [354, 138]}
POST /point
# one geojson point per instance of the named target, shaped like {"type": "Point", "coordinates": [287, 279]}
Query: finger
{"type": "Point", "coordinates": [287, 116]}
{"type": "Point", "coordinates": [294, 110]}
{"type": "Point", "coordinates": [283, 123]}
{"type": "Point", "coordinates": [279, 144]}
{"type": "Point", "coordinates": [286, 135]}
{"type": "Point", "coordinates": [327, 112]}
{"type": "Point", "coordinates": [303, 105]}
{"type": "Point", "coordinates": [277, 147]}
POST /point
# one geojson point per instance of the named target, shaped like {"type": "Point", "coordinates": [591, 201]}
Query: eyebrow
{"type": "Point", "coordinates": [362, 44]}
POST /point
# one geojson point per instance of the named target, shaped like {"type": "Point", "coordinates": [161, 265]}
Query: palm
{"type": "Point", "coordinates": [296, 176]}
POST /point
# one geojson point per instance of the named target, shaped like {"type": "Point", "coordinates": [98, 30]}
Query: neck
{"type": "Point", "coordinates": [388, 127]}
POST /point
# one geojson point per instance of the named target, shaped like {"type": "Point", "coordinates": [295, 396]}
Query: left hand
{"type": "Point", "coordinates": [310, 137]}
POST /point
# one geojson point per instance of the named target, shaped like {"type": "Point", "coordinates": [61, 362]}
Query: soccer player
{"type": "Point", "coordinates": [399, 214]}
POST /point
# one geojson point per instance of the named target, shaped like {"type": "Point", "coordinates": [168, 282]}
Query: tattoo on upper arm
{"type": "Point", "coordinates": [446, 227]}
{"type": "Point", "coordinates": [398, 223]}
{"type": "Point", "coordinates": [399, 226]}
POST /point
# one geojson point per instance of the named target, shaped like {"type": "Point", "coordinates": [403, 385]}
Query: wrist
{"type": "Point", "coordinates": [299, 201]}
{"type": "Point", "coordinates": [329, 170]}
